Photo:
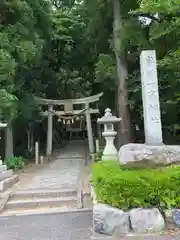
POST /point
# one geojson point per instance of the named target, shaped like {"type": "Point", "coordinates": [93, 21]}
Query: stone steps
{"type": "Point", "coordinates": [40, 201]}
{"type": "Point", "coordinates": [42, 193]}
{"type": "Point", "coordinates": [38, 211]}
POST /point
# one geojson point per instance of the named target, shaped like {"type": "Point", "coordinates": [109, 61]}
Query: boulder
{"type": "Point", "coordinates": [169, 219]}
{"type": "Point", "coordinates": [176, 217]}
{"type": "Point", "coordinates": [109, 220]}
{"type": "Point", "coordinates": [146, 155]}
{"type": "Point", "coordinates": [146, 220]}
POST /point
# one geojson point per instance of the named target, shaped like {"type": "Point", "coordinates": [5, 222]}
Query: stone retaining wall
{"type": "Point", "coordinates": [109, 220]}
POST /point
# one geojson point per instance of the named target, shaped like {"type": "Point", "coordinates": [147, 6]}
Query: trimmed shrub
{"type": "Point", "coordinates": [128, 188]}
{"type": "Point", "coordinates": [15, 163]}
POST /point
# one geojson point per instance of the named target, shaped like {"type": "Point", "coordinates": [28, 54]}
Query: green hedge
{"type": "Point", "coordinates": [128, 189]}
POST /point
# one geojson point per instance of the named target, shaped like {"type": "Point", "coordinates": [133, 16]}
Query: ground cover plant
{"type": "Point", "coordinates": [132, 188]}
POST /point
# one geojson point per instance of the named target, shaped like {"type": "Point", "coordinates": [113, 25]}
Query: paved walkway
{"type": "Point", "coordinates": [63, 172]}
{"type": "Point", "coordinates": [74, 226]}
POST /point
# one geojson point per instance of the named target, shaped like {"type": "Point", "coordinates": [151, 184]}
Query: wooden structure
{"type": "Point", "coordinates": [69, 114]}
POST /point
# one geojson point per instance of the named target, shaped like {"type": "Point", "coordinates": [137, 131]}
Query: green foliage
{"type": "Point", "coordinates": [24, 28]}
{"type": "Point", "coordinates": [15, 163]}
{"type": "Point", "coordinates": [64, 49]}
{"type": "Point", "coordinates": [99, 155]}
{"type": "Point", "coordinates": [126, 189]}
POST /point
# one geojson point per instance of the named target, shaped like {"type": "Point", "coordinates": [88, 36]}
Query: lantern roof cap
{"type": "Point", "coordinates": [108, 118]}
{"type": "Point", "coordinates": [3, 125]}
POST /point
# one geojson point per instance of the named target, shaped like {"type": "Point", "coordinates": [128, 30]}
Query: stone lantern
{"type": "Point", "coordinates": [3, 125]}
{"type": "Point", "coordinates": [110, 152]}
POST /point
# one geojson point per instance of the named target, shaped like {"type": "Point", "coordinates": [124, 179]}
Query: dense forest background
{"type": "Point", "coordinates": [69, 49]}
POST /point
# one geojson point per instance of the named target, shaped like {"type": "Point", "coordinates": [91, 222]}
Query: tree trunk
{"type": "Point", "coordinates": [29, 139]}
{"type": "Point", "coordinates": [123, 110]}
{"type": "Point", "coordinates": [9, 142]}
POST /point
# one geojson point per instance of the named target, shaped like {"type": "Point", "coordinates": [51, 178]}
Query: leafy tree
{"type": "Point", "coordinates": [25, 28]}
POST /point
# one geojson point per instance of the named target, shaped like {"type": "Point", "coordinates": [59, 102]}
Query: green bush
{"type": "Point", "coordinates": [127, 188]}
{"type": "Point", "coordinates": [15, 163]}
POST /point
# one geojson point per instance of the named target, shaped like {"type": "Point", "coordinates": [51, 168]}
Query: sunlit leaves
{"type": "Point", "coordinates": [160, 6]}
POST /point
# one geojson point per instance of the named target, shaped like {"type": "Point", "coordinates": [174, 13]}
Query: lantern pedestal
{"type": "Point", "coordinates": [110, 152]}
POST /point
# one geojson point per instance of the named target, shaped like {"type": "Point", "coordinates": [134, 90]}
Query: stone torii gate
{"type": "Point", "coordinates": [68, 109]}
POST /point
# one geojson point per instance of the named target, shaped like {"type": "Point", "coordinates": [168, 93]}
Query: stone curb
{"type": "Point", "coordinates": [137, 237]}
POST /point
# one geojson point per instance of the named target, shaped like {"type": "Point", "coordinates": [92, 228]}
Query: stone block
{"type": "Point", "coordinates": [146, 220]}
{"type": "Point", "coordinates": [6, 174]}
{"type": "Point", "coordinates": [147, 155]}
{"type": "Point", "coordinates": [176, 217]}
{"type": "Point", "coordinates": [172, 217]}
{"type": "Point", "coordinates": [109, 220]}
{"type": "Point", "coordinates": [168, 214]}
{"type": "Point", "coordinates": [8, 183]}
{"type": "Point", "coordinates": [3, 168]}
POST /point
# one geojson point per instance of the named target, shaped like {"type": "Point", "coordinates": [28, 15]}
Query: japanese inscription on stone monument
{"type": "Point", "coordinates": [150, 96]}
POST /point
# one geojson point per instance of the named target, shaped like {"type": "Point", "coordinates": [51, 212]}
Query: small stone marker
{"type": "Point", "coordinates": [36, 153]}
{"type": "Point", "coordinates": [97, 145]}
{"type": "Point", "coordinates": [41, 160]}
{"type": "Point", "coordinates": [150, 95]}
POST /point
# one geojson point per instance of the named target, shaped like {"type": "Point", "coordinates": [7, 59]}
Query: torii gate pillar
{"type": "Point", "coordinates": [89, 129]}
{"type": "Point", "coordinates": [49, 132]}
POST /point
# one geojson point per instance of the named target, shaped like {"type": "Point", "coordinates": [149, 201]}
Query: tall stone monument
{"type": "Point", "coordinates": [153, 152]}
{"type": "Point", "coordinates": [150, 95]}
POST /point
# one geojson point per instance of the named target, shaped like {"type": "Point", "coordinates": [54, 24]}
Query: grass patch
{"type": "Point", "coordinates": [128, 188]}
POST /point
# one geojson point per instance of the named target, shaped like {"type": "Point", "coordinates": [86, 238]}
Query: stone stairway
{"type": "Point", "coordinates": [40, 201]}
{"type": "Point", "coordinates": [7, 178]}
{"type": "Point", "coordinates": [50, 188]}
